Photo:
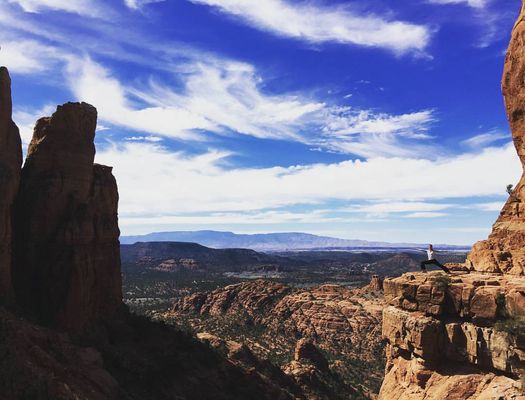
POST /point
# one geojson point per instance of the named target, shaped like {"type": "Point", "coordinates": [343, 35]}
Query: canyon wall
{"type": "Point", "coordinates": [10, 163]}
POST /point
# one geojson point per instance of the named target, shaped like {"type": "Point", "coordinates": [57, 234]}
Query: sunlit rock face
{"type": "Point", "coordinates": [444, 339]}
{"type": "Point", "coordinates": [461, 336]}
{"type": "Point", "coordinates": [504, 250]}
{"type": "Point", "coordinates": [67, 250]}
{"type": "Point", "coordinates": [10, 163]}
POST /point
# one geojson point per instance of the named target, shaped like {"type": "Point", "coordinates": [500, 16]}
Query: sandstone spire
{"type": "Point", "coordinates": [504, 251]}
{"type": "Point", "coordinates": [67, 251]}
{"type": "Point", "coordinates": [10, 163]}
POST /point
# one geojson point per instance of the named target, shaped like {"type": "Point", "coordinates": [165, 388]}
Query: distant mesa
{"type": "Point", "coordinates": [267, 241]}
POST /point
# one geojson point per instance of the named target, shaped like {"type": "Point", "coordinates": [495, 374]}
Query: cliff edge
{"type": "Point", "coordinates": [462, 336]}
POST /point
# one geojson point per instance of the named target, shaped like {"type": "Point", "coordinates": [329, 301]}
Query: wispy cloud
{"type": "Point", "coordinates": [318, 24]}
{"type": "Point", "coordinates": [425, 215]}
{"type": "Point", "coordinates": [29, 56]}
{"type": "Point", "coordinates": [492, 206]}
{"type": "Point", "coordinates": [399, 207]}
{"type": "Point", "coordinates": [470, 3]}
{"type": "Point", "coordinates": [225, 97]}
{"type": "Point", "coordinates": [138, 4]}
{"type": "Point", "coordinates": [485, 139]}
{"type": "Point", "coordinates": [91, 8]}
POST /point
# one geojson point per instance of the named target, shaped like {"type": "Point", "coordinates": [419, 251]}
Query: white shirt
{"type": "Point", "coordinates": [430, 254]}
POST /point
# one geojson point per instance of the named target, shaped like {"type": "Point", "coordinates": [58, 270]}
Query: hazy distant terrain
{"type": "Point", "coordinates": [268, 241]}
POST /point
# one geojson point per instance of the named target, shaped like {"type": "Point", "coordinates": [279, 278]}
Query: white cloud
{"type": "Point", "coordinates": [470, 3]}
{"type": "Point", "coordinates": [399, 207]}
{"type": "Point", "coordinates": [371, 134]}
{"type": "Point", "coordinates": [485, 139]}
{"type": "Point", "coordinates": [89, 8]}
{"type": "Point", "coordinates": [165, 183]}
{"type": "Point", "coordinates": [318, 24]}
{"type": "Point", "coordinates": [492, 206]}
{"type": "Point", "coordinates": [94, 84]}
{"type": "Point", "coordinates": [420, 215]}
{"type": "Point", "coordinates": [29, 56]}
{"type": "Point", "coordinates": [225, 97]}
{"type": "Point", "coordinates": [138, 4]}
{"type": "Point", "coordinates": [153, 139]}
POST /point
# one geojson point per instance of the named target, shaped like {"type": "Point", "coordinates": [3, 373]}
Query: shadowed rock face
{"type": "Point", "coordinates": [504, 251]}
{"type": "Point", "coordinates": [10, 163]}
{"type": "Point", "coordinates": [67, 270]}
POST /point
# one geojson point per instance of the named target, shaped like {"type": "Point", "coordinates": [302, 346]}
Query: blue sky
{"type": "Point", "coordinates": [379, 120]}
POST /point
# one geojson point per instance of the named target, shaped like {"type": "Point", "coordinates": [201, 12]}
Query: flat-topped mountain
{"type": "Point", "coordinates": [185, 255]}
{"type": "Point", "coordinates": [264, 241]}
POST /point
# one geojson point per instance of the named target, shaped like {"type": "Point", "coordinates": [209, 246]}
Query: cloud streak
{"type": "Point", "coordinates": [165, 181]}
{"type": "Point", "coordinates": [319, 24]}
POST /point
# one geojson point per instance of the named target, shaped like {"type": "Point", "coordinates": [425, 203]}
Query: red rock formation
{"type": "Point", "coordinates": [504, 251]}
{"type": "Point", "coordinates": [270, 318]}
{"type": "Point", "coordinates": [376, 284]}
{"type": "Point", "coordinates": [443, 336]}
{"type": "Point", "coordinates": [305, 350]}
{"type": "Point", "coordinates": [67, 250]}
{"type": "Point", "coordinates": [10, 163]}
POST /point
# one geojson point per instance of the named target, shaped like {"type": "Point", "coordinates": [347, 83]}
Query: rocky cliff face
{"type": "Point", "coordinates": [457, 336]}
{"type": "Point", "coordinates": [504, 251]}
{"type": "Point", "coordinates": [66, 230]}
{"type": "Point", "coordinates": [463, 336]}
{"type": "Point", "coordinates": [10, 163]}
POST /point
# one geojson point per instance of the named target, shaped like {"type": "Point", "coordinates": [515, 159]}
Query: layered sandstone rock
{"type": "Point", "coordinates": [67, 250]}
{"type": "Point", "coordinates": [10, 163]}
{"type": "Point", "coordinates": [445, 336]}
{"type": "Point", "coordinates": [504, 251]}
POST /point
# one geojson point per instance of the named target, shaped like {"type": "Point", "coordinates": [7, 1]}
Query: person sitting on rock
{"type": "Point", "coordinates": [431, 253]}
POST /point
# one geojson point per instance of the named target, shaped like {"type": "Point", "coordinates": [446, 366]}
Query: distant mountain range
{"type": "Point", "coordinates": [268, 241]}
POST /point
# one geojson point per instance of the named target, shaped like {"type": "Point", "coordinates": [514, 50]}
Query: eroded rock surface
{"type": "Point", "coordinates": [272, 319]}
{"type": "Point", "coordinates": [504, 250]}
{"type": "Point", "coordinates": [445, 336]}
{"type": "Point", "coordinates": [10, 163]}
{"type": "Point", "coordinates": [67, 270]}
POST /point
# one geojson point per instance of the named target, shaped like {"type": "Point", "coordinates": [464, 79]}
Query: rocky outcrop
{"type": "Point", "coordinates": [376, 283]}
{"type": "Point", "coordinates": [38, 363]}
{"type": "Point", "coordinates": [330, 313]}
{"type": "Point", "coordinates": [67, 251]}
{"type": "Point", "coordinates": [272, 319]}
{"type": "Point", "coordinates": [449, 335]}
{"type": "Point", "coordinates": [504, 250]}
{"type": "Point", "coordinates": [305, 350]}
{"type": "Point", "coordinates": [10, 163]}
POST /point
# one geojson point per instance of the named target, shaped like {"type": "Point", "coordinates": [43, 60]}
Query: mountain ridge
{"type": "Point", "coordinates": [278, 241]}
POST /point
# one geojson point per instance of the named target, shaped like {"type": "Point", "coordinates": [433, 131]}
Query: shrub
{"type": "Point", "coordinates": [442, 282]}
{"type": "Point", "coordinates": [512, 326]}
